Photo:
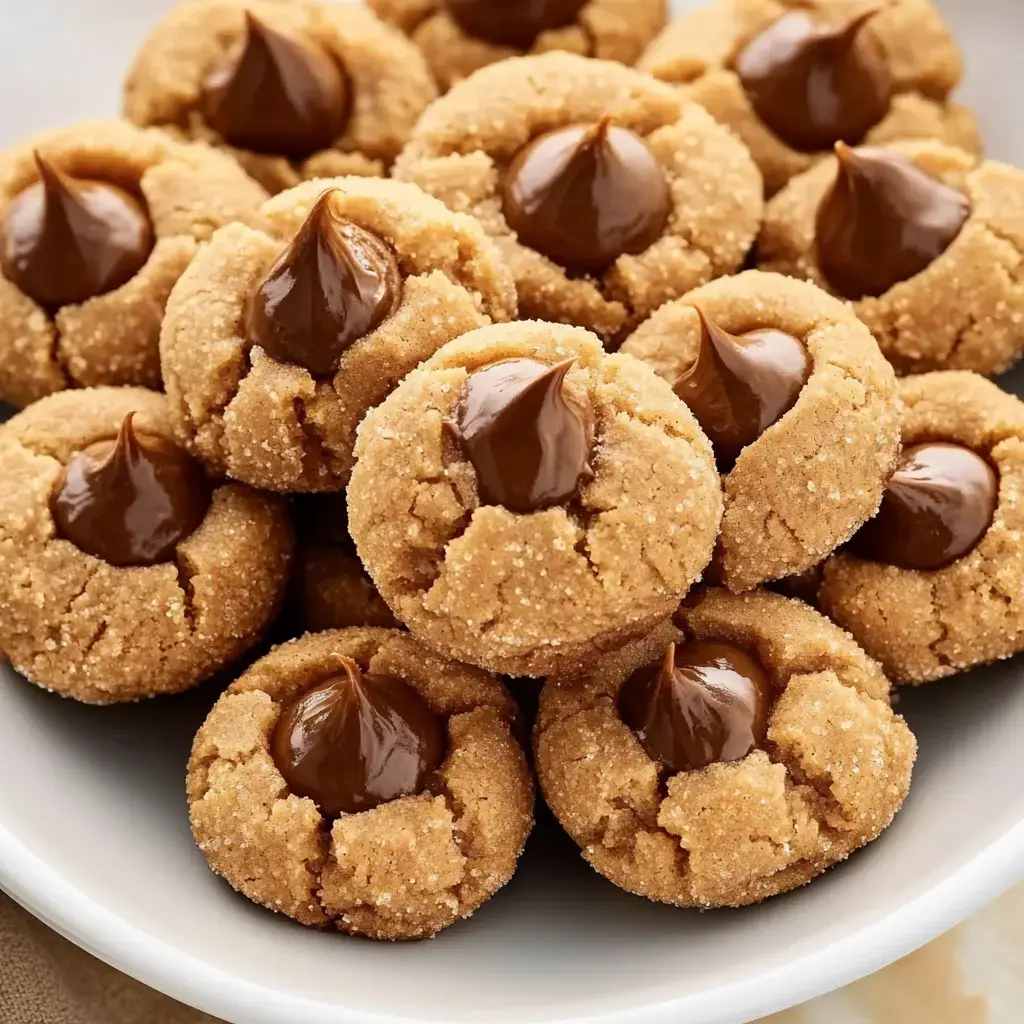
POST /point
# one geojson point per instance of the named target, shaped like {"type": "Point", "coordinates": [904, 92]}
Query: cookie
{"type": "Point", "coordinates": [793, 78]}
{"type": "Point", "coordinates": [97, 222]}
{"type": "Point", "coordinates": [934, 584]}
{"type": "Point", "coordinates": [737, 752]}
{"type": "Point", "coordinates": [356, 781]}
{"type": "Point", "coordinates": [101, 603]}
{"type": "Point", "coordinates": [800, 408]}
{"type": "Point", "coordinates": [458, 37]}
{"type": "Point", "coordinates": [524, 501]}
{"type": "Point", "coordinates": [606, 193]}
{"type": "Point", "coordinates": [276, 342]}
{"type": "Point", "coordinates": [924, 240]}
{"type": "Point", "coordinates": [294, 91]}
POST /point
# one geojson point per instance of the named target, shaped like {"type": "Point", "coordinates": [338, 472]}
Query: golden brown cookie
{"type": "Point", "coordinates": [607, 194]}
{"type": "Point", "coordinates": [942, 590]}
{"type": "Point", "coordinates": [276, 342]}
{"type": "Point", "coordinates": [761, 750]}
{"type": "Point", "coordinates": [524, 501]}
{"type": "Point", "coordinates": [93, 235]}
{"type": "Point", "coordinates": [100, 603]}
{"type": "Point", "coordinates": [765, 68]}
{"type": "Point", "coordinates": [804, 455]}
{"type": "Point", "coordinates": [297, 90]}
{"type": "Point", "coordinates": [955, 294]}
{"type": "Point", "coordinates": [399, 846]}
{"type": "Point", "coordinates": [458, 37]}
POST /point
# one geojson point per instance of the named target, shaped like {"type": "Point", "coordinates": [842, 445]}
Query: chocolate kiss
{"type": "Point", "coordinates": [739, 385]}
{"type": "Point", "coordinates": [66, 240]}
{"type": "Point", "coordinates": [883, 221]}
{"type": "Point", "coordinates": [529, 444]}
{"type": "Point", "coordinates": [276, 94]}
{"type": "Point", "coordinates": [585, 195]}
{"type": "Point", "coordinates": [517, 23]}
{"type": "Point", "coordinates": [707, 702]}
{"type": "Point", "coordinates": [814, 83]}
{"type": "Point", "coordinates": [132, 500]}
{"type": "Point", "coordinates": [357, 741]}
{"type": "Point", "coordinates": [332, 285]}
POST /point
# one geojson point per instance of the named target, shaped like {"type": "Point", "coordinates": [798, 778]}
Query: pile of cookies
{"type": "Point", "coordinates": [382, 357]}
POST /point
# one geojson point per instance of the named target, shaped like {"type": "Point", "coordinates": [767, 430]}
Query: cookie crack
{"type": "Point", "coordinates": [186, 584]}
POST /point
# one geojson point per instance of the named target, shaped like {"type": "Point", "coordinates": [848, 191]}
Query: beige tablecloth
{"type": "Point", "coordinates": [974, 975]}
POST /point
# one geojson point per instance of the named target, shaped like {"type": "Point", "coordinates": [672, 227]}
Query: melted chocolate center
{"type": "Point", "coordinates": [585, 195]}
{"type": "Point", "coordinates": [65, 240]}
{"type": "Point", "coordinates": [277, 94]}
{"type": "Point", "coordinates": [332, 285]}
{"type": "Point", "coordinates": [707, 702]}
{"type": "Point", "coordinates": [357, 741]}
{"type": "Point", "coordinates": [528, 440]}
{"type": "Point", "coordinates": [517, 23]}
{"type": "Point", "coordinates": [132, 500]}
{"type": "Point", "coordinates": [814, 83]}
{"type": "Point", "coordinates": [883, 221]}
{"type": "Point", "coordinates": [938, 505]}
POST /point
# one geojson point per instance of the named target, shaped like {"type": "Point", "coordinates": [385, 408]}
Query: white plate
{"type": "Point", "coordinates": [94, 836]}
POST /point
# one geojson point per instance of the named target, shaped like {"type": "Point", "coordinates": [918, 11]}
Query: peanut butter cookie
{"type": "Point", "coordinates": [800, 408]}
{"type": "Point", "coordinates": [793, 77]}
{"type": "Point", "coordinates": [294, 90]}
{"type": "Point", "coordinates": [357, 781]}
{"type": "Point", "coordinates": [606, 193]}
{"type": "Point", "coordinates": [125, 573]}
{"type": "Point", "coordinates": [935, 583]}
{"type": "Point", "coordinates": [524, 501]}
{"type": "Point", "coordinates": [737, 752]}
{"type": "Point", "coordinates": [97, 222]}
{"type": "Point", "coordinates": [276, 342]}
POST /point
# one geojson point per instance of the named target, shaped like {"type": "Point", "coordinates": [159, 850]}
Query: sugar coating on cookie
{"type": "Point", "coordinates": [406, 868]}
{"type": "Point", "coordinates": [381, 76]}
{"type": "Point", "coordinates": [183, 193]}
{"type": "Point", "coordinates": [104, 633]}
{"type": "Point", "coordinates": [905, 41]}
{"type": "Point", "coordinates": [830, 774]}
{"type": "Point", "coordinates": [520, 587]}
{"type": "Point", "coordinates": [468, 146]}
{"type": "Point", "coordinates": [924, 625]}
{"type": "Point", "coordinates": [806, 484]}
{"type": "Point", "coordinates": [459, 38]}
{"type": "Point", "coordinates": [962, 311]}
{"type": "Point", "coordinates": [272, 422]}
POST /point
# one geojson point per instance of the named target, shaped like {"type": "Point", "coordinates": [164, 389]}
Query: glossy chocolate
{"type": "Point", "coordinates": [939, 503]}
{"type": "Point", "coordinates": [814, 83]}
{"type": "Point", "coordinates": [585, 195]}
{"type": "Point", "coordinates": [357, 741]}
{"type": "Point", "coordinates": [528, 440]}
{"type": "Point", "coordinates": [515, 22]}
{"type": "Point", "coordinates": [276, 94]}
{"type": "Point", "coordinates": [130, 500]}
{"type": "Point", "coordinates": [332, 285]}
{"type": "Point", "coordinates": [65, 240]}
{"type": "Point", "coordinates": [706, 702]}
{"type": "Point", "coordinates": [883, 221]}
{"type": "Point", "coordinates": [739, 385]}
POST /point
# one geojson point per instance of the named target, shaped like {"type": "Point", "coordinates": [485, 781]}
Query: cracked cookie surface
{"type": "Point", "coordinates": [525, 594]}
{"type": "Point", "coordinates": [102, 634]}
{"type": "Point", "coordinates": [462, 148]}
{"type": "Point", "coordinates": [815, 475]}
{"type": "Point", "coordinates": [924, 625]}
{"type": "Point", "coordinates": [274, 424]}
{"type": "Point", "coordinates": [403, 870]}
{"type": "Point", "coordinates": [696, 53]}
{"type": "Point", "coordinates": [962, 312]}
{"type": "Point", "coordinates": [111, 339]}
{"type": "Point", "coordinates": [830, 776]}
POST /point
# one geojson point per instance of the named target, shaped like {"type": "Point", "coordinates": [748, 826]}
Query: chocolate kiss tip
{"type": "Point", "coordinates": [858, 21]}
